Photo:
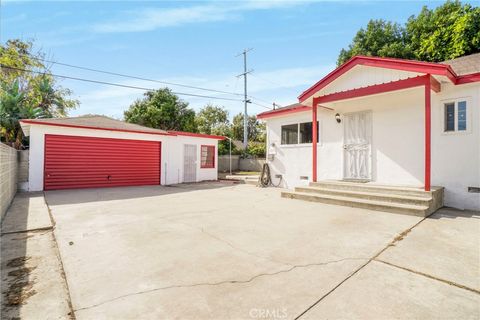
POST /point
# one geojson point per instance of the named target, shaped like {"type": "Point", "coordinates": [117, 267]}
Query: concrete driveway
{"type": "Point", "coordinates": [222, 251]}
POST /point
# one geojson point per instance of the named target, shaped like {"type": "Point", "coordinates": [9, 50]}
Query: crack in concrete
{"type": "Point", "coordinates": [231, 245]}
{"type": "Point", "coordinates": [28, 230]}
{"type": "Point", "coordinates": [398, 238]}
{"type": "Point", "coordinates": [461, 286]}
{"type": "Point", "coordinates": [242, 250]}
{"type": "Point", "coordinates": [220, 282]}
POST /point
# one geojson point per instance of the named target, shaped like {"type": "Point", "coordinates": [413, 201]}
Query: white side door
{"type": "Point", "coordinates": [189, 163]}
{"type": "Point", "coordinates": [357, 145]}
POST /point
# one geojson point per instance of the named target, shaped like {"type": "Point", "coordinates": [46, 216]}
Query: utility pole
{"type": "Point", "coordinates": [245, 96]}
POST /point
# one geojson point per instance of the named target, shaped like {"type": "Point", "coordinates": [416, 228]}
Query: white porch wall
{"type": "Point", "coordinates": [171, 157]}
{"type": "Point", "coordinates": [398, 145]}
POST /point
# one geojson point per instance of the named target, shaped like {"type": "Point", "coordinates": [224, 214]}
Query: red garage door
{"type": "Point", "coordinates": [86, 162]}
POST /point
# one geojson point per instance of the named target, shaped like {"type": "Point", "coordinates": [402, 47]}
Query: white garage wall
{"type": "Point", "coordinates": [172, 152]}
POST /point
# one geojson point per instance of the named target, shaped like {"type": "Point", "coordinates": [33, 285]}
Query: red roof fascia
{"type": "Point", "coordinates": [390, 63]}
{"type": "Point", "coordinates": [468, 78]}
{"type": "Point", "coordinates": [281, 112]}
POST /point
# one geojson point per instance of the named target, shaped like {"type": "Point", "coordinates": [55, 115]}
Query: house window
{"type": "Point", "coordinates": [306, 132]}
{"type": "Point", "coordinates": [455, 116]}
{"type": "Point", "coordinates": [290, 134]}
{"type": "Point", "coordinates": [207, 157]}
{"type": "Point", "coordinates": [298, 133]}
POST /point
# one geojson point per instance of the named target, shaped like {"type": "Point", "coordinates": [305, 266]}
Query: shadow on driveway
{"type": "Point", "coordinates": [77, 196]}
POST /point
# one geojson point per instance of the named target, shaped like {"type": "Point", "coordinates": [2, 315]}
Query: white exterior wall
{"type": "Point", "coordinates": [171, 156]}
{"type": "Point", "coordinates": [398, 145]}
{"type": "Point", "coordinates": [456, 156]}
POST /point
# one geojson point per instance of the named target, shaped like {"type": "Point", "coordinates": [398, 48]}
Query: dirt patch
{"type": "Point", "coordinates": [401, 236]}
{"type": "Point", "coordinates": [20, 288]}
{"type": "Point", "coordinates": [17, 262]}
{"type": "Point", "coordinates": [21, 272]}
{"type": "Point", "coordinates": [19, 292]}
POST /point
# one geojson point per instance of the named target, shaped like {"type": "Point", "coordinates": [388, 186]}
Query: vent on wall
{"type": "Point", "coordinates": [474, 189]}
{"type": "Point", "coordinates": [303, 177]}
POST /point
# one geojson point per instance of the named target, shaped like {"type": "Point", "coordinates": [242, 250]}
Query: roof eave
{"type": "Point", "coordinates": [389, 63]}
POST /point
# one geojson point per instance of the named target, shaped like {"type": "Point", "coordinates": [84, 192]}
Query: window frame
{"type": "Point", "coordinates": [455, 103]}
{"type": "Point", "coordinates": [207, 165]}
{"type": "Point", "coordinates": [298, 143]}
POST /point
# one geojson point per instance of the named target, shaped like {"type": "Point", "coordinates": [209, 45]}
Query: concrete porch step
{"type": "Point", "coordinates": [369, 195]}
{"type": "Point", "coordinates": [375, 188]}
{"type": "Point", "coordinates": [409, 209]}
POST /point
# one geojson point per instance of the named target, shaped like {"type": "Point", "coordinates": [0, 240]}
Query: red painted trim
{"type": "Point", "coordinates": [282, 112]}
{"type": "Point", "coordinates": [389, 63]}
{"type": "Point", "coordinates": [427, 135]}
{"type": "Point", "coordinates": [375, 89]}
{"type": "Point", "coordinates": [314, 139]}
{"type": "Point", "coordinates": [469, 78]}
{"type": "Point", "coordinates": [213, 162]}
{"type": "Point", "coordinates": [435, 85]}
{"type": "Point", "coordinates": [44, 157]}
{"type": "Point", "coordinates": [160, 169]}
{"type": "Point", "coordinates": [91, 127]}
{"type": "Point", "coordinates": [197, 135]}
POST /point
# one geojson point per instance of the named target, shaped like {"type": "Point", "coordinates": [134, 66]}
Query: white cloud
{"type": "Point", "coordinates": [281, 86]}
{"type": "Point", "coordinates": [149, 19]}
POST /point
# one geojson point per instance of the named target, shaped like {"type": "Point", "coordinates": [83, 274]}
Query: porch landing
{"type": "Point", "coordinates": [396, 199]}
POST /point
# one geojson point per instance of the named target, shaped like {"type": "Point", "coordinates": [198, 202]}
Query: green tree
{"type": "Point", "coordinates": [212, 120]}
{"type": "Point", "coordinates": [446, 32]}
{"type": "Point", "coordinates": [162, 109]}
{"type": "Point", "coordinates": [26, 94]}
{"type": "Point", "coordinates": [380, 39]}
{"type": "Point", "coordinates": [256, 129]}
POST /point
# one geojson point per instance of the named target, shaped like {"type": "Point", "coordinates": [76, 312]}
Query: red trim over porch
{"type": "Point", "coordinates": [380, 88]}
{"type": "Point", "coordinates": [388, 63]}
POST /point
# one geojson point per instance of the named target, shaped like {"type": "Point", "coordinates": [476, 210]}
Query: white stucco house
{"type": "Point", "coordinates": [384, 121]}
{"type": "Point", "coordinates": [97, 151]}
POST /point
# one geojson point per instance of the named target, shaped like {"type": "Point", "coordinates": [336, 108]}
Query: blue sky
{"type": "Point", "coordinates": [294, 44]}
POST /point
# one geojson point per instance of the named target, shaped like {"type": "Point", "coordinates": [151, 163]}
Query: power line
{"type": "Point", "coordinates": [118, 84]}
{"type": "Point", "coordinates": [132, 77]}
{"type": "Point", "coordinates": [146, 79]}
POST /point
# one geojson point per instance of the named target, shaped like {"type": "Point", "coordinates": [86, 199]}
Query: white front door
{"type": "Point", "coordinates": [357, 145]}
{"type": "Point", "coordinates": [189, 163]}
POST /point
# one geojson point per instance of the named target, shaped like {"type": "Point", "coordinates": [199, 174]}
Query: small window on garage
{"type": "Point", "coordinates": [207, 157]}
{"type": "Point", "coordinates": [455, 116]}
{"type": "Point", "coordinates": [290, 134]}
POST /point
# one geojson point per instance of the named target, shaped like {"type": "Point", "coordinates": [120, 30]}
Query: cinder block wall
{"type": "Point", "coordinates": [224, 163]}
{"type": "Point", "coordinates": [238, 164]}
{"type": "Point", "coordinates": [254, 164]}
{"type": "Point", "coordinates": [8, 176]}
{"type": "Point", "coordinates": [23, 170]}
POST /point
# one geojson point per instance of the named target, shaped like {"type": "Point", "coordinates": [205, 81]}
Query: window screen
{"type": "Point", "coordinates": [306, 131]}
{"type": "Point", "coordinates": [449, 117]}
{"type": "Point", "coordinates": [462, 115]}
{"type": "Point", "coordinates": [207, 157]}
{"type": "Point", "coordinates": [290, 134]}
